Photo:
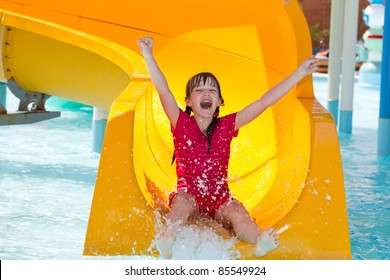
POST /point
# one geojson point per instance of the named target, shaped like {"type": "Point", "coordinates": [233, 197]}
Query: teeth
{"type": "Point", "coordinates": [205, 104]}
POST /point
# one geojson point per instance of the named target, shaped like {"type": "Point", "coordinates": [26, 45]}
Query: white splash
{"type": "Point", "coordinates": [200, 240]}
{"type": "Point", "coordinates": [282, 229]}
{"type": "Point", "coordinates": [195, 242]}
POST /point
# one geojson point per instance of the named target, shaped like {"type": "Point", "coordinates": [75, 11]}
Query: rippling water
{"type": "Point", "coordinates": [47, 176]}
{"type": "Point", "coordinates": [46, 185]}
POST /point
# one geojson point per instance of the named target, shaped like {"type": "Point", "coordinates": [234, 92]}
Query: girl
{"type": "Point", "coordinates": [202, 151]}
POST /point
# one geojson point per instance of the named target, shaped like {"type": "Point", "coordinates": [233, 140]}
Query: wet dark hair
{"type": "Point", "coordinates": [197, 80]}
{"type": "Point", "coordinates": [201, 79]}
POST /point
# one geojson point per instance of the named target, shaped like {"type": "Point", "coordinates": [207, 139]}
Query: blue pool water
{"type": "Point", "coordinates": [47, 177]}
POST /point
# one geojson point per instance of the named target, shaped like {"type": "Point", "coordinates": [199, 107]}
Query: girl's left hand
{"type": "Point", "coordinates": [309, 66]}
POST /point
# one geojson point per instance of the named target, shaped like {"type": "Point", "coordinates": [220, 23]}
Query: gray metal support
{"type": "Point", "coordinates": [25, 115]}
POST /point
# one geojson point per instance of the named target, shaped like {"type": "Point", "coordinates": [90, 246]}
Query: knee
{"type": "Point", "coordinates": [233, 213]}
{"type": "Point", "coordinates": [185, 202]}
{"type": "Point", "coordinates": [236, 210]}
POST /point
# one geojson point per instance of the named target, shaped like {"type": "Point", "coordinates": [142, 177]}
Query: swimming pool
{"type": "Point", "coordinates": [47, 177]}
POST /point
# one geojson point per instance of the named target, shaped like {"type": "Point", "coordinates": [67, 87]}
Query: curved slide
{"type": "Point", "coordinates": [285, 167]}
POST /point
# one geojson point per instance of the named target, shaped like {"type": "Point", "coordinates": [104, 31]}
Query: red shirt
{"type": "Point", "coordinates": [202, 174]}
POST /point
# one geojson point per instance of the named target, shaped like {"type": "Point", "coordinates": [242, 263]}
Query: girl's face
{"type": "Point", "coordinates": [204, 99]}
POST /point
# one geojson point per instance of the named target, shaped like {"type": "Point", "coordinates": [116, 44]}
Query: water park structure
{"type": "Point", "coordinates": [285, 167]}
{"type": "Point", "coordinates": [370, 72]}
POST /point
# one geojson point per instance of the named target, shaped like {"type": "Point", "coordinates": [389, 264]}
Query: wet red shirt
{"type": "Point", "coordinates": [202, 174]}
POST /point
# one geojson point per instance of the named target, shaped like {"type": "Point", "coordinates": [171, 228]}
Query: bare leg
{"type": "Point", "coordinates": [234, 213]}
{"type": "Point", "coordinates": [183, 207]}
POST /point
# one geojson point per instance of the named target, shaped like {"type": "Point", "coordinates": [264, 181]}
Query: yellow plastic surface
{"type": "Point", "coordinates": [285, 166]}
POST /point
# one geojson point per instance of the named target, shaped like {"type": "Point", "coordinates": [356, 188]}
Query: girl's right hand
{"type": "Point", "coordinates": [146, 45]}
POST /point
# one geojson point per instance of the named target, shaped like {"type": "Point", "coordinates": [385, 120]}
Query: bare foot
{"type": "Point", "coordinates": [266, 242]}
{"type": "Point", "coordinates": [164, 245]}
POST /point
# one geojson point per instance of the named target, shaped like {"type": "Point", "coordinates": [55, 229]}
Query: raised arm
{"type": "Point", "coordinates": [168, 101]}
{"type": "Point", "coordinates": [253, 110]}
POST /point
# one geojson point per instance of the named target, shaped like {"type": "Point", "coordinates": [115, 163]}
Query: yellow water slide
{"type": "Point", "coordinates": [285, 166]}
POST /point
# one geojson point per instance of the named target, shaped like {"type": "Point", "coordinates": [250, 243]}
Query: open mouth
{"type": "Point", "coordinates": [205, 104]}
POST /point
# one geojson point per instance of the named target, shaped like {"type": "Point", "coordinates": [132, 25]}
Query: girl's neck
{"type": "Point", "coordinates": [203, 123]}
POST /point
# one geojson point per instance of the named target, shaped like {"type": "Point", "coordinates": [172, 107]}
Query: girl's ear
{"type": "Point", "coordinates": [188, 102]}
